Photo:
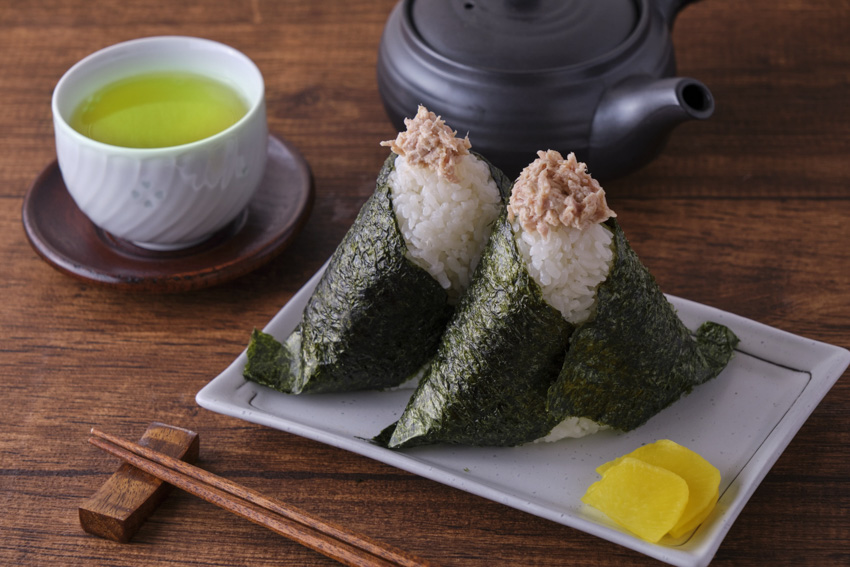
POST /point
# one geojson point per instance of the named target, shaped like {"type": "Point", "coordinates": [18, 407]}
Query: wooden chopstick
{"type": "Point", "coordinates": [324, 537]}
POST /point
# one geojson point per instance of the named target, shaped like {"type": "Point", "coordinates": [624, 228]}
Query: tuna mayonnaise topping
{"type": "Point", "coordinates": [428, 142]}
{"type": "Point", "coordinates": [553, 190]}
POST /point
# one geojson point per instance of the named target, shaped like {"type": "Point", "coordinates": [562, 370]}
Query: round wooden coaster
{"type": "Point", "coordinates": [66, 239]}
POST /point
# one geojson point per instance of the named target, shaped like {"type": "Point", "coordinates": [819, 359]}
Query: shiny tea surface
{"type": "Point", "coordinates": [158, 110]}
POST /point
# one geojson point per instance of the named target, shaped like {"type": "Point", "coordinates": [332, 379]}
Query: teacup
{"type": "Point", "coordinates": [163, 198]}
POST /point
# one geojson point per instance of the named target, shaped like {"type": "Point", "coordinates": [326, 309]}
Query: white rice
{"type": "Point", "coordinates": [445, 225]}
{"type": "Point", "coordinates": [568, 264]}
{"type": "Point", "coordinates": [572, 427]}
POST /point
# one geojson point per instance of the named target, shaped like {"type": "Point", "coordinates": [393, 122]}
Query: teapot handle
{"type": "Point", "coordinates": [671, 8]}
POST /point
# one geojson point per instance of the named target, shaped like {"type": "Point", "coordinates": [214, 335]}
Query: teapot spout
{"type": "Point", "coordinates": [635, 117]}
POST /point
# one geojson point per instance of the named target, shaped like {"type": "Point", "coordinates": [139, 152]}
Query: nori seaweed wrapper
{"type": "Point", "coordinates": [488, 382]}
{"type": "Point", "coordinates": [634, 357]}
{"type": "Point", "coordinates": [373, 321]}
{"type": "Point", "coordinates": [510, 367]}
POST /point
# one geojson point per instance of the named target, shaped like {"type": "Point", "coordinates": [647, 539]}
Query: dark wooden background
{"type": "Point", "coordinates": [747, 212]}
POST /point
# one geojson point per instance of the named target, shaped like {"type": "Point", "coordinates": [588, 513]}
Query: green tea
{"type": "Point", "coordinates": [158, 110]}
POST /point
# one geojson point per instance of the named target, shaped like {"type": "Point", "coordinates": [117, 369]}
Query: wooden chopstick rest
{"type": "Point", "coordinates": [347, 547]}
{"type": "Point", "coordinates": [122, 504]}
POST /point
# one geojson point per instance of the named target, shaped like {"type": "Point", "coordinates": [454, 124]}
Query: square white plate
{"type": "Point", "coordinates": [741, 422]}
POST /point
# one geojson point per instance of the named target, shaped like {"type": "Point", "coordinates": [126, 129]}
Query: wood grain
{"type": "Point", "coordinates": [746, 212]}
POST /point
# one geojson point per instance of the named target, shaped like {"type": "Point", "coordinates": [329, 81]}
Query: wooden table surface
{"type": "Point", "coordinates": [747, 212]}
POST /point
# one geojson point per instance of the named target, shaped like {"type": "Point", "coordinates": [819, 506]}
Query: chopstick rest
{"type": "Point", "coordinates": [122, 504]}
{"type": "Point", "coordinates": [336, 542]}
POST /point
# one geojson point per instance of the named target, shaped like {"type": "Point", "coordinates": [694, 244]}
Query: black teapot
{"type": "Point", "coordinates": [594, 77]}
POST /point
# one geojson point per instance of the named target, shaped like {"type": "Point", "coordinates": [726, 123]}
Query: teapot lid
{"type": "Point", "coordinates": [523, 35]}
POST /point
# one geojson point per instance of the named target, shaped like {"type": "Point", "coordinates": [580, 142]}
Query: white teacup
{"type": "Point", "coordinates": [171, 197]}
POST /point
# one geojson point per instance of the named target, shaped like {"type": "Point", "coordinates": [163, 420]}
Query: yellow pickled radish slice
{"type": "Point", "coordinates": [702, 477]}
{"type": "Point", "coordinates": [645, 499]}
{"type": "Point", "coordinates": [684, 527]}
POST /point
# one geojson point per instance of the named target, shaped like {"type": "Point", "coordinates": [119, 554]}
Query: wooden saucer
{"type": "Point", "coordinates": [66, 239]}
